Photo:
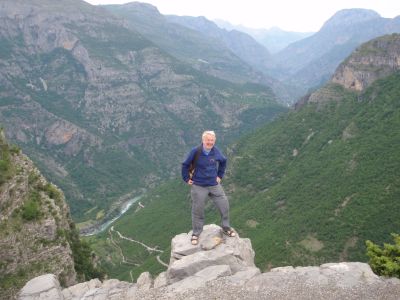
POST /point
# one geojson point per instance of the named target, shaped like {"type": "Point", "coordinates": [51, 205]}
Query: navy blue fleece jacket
{"type": "Point", "coordinates": [207, 167]}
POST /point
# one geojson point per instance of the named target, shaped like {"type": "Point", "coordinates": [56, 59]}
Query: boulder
{"type": "Point", "coordinates": [200, 278]}
{"type": "Point", "coordinates": [144, 281]}
{"type": "Point", "coordinates": [42, 287]}
{"type": "Point", "coordinates": [213, 249]}
{"type": "Point", "coordinates": [161, 280]}
{"type": "Point", "coordinates": [77, 291]}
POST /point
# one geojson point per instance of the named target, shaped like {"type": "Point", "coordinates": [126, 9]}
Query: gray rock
{"type": "Point", "coordinates": [190, 265]}
{"type": "Point", "coordinates": [78, 290]}
{"type": "Point", "coordinates": [213, 272]}
{"type": "Point", "coordinates": [211, 237]}
{"type": "Point", "coordinates": [161, 280]}
{"type": "Point", "coordinates": [214, 249]}
{"type": "Point", "coordinates": [181, 246]}
{"type": "Point", "coordinates": [200, 278]}
{"type": "Point", "coordinates": [334, 276]}
{"type": "Point", "coordinates": [239, 278]}
{"type": "Point", "coordinates": [145, 281]}
{"type": "Point", "coordinates": [132, 292]}
{"type": "Point", "coordinates": [41, 288]}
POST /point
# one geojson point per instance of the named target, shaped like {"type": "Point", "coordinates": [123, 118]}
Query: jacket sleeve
{"type": "Point", "coordinates": [222, 165]}
{"type": "Point", "coordinates": [186, 165]}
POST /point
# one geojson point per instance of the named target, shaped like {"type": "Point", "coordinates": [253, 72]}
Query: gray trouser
{"type": "Point", "coordinates": [199, 197]}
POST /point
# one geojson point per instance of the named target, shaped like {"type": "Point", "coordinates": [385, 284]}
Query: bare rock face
{"type": "Point", "coordinates": [373, 60]}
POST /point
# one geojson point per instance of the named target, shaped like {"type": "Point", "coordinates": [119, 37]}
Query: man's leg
{"type": "Point", "coordinates": [199, 195]}
{"type": "Point", "coordinates": [220, 200]}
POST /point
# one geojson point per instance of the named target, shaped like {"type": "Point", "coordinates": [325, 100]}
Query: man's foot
{"type": "Point", "coordinates": [194, 240]}
{"type": "Point", "coordinates": [229, 232]}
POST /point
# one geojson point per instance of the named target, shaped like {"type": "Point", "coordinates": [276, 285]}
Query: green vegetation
{"type": "Point", "coordinates": [385, 261]}
{"type": "Point", "coordinates": [31, 207]}
{"type": "Point", "coordinates": [83, 257]}
{"type": "Point", "coordinates": [6, 169]}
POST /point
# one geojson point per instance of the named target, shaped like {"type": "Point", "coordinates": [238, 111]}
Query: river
{"type": "Point", "coordinates": [95, 229]}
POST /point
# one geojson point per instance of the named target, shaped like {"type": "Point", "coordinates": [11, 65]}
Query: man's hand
{"type": "Point", "coordinates": [190, 182]}
{"type": "Point", "coordinates": [218, 179]}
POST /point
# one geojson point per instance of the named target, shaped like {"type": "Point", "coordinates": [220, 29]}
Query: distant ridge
{"type": "Point", "coordinates": [274, 39]}
{"type": "Point", "coordinates": [312, 61]}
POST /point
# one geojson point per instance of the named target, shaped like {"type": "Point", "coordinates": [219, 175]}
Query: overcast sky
{"type": "Point", "coordinates": [290, 15]}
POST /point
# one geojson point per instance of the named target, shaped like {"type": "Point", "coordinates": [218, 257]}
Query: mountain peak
{"type": "Point", "coordinates": [346, 17]}
{"type": "Point", "coordinates": [139, 5]}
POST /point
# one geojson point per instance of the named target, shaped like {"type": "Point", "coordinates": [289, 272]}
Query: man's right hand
{"type": "Point", "coordinates": [190, 182]}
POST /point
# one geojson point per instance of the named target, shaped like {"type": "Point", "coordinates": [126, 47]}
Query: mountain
{"type": "Point", "coordinates": [37, 234]}
{"type": "Point", "coordinates": [229, 55]}
{"type": "Point", "coordinates": [243, 45]}
{"type": "Point", "coordinates": [312, 61]}
{"type": "Point", "coordinates": [203, 53]}
{"type": "Point", "coordinates": [309, 188]}
{"type": "Point", "coordinates": [273, 39]}
{"type": "Point", "coordinates": [101, 109]}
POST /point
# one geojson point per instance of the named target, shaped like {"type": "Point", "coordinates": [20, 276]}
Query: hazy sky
{"type": "Point", "coordinates": [291, 15]}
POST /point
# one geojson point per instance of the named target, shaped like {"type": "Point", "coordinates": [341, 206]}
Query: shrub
{"type": "Point", "coordinates": [4, 165]}
{"type": "Point", "coordinates": [30, 210]}
{"type": "Point", "coordinates": [385, 261]}
{"type": "Point", "coordinates": [53, 192]}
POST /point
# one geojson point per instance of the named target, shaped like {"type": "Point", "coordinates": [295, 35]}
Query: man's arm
{"type": "Point", "coordinates": [221, 166]}
{"type": "Point", "coordinates": [186, 165]}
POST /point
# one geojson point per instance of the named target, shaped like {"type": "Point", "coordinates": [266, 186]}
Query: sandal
{"type": "Point", "coordinates": [194, 240]}
{"type": "Point", "coordinates": [229, 232]}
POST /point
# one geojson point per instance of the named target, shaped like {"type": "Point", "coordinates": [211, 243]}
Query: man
{"type": "Point", "coordinates": [209, 167]}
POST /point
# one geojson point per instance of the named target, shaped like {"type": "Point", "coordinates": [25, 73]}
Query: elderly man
{"type": "Point", "coordinates": [203, 170]}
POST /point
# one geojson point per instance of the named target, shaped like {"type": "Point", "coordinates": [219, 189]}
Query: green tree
{"type": "Point", "coordinates": [385, 261]}
{"type": "Point", "coordinates": [83, 257]}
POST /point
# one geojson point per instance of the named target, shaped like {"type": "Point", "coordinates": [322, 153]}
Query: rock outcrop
{"type": "Point", "coordinates": [223, 268]}
{"type": "Point", "coordinates": [373, 60]}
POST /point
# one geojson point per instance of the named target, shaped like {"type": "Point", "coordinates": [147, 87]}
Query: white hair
{"type": "Point", "coordinates": [208, 132]}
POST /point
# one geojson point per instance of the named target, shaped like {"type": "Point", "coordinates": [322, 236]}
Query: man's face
{"type": "Point", "coordinates": [208, 142]}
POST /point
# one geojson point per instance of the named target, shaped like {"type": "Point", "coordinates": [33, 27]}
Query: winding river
{"type": "Point", "coordinates": [95, 229]}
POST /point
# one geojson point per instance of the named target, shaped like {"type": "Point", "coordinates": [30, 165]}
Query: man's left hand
{"type": "Point", "coordinates": [218, 179]}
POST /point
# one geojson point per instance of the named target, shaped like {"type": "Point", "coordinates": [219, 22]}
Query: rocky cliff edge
{"type": "Point", "coordinates": [223, 268]}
